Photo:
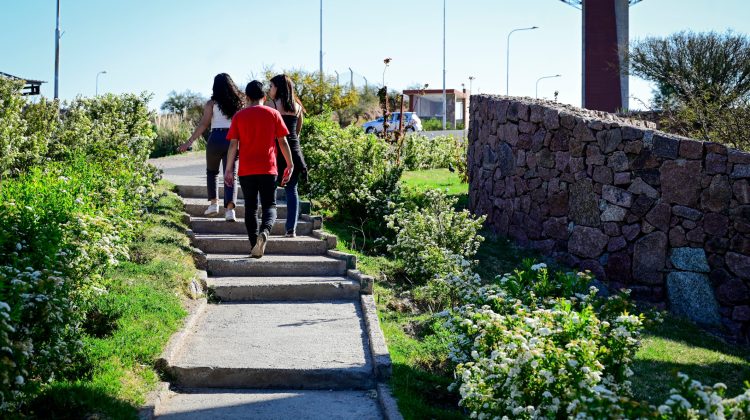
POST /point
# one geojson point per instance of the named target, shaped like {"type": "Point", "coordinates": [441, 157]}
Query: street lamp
{"type": "Point", "coordinates": [471, 80]}
{"type": "Point", "coordinates": [507, 56]}
{"type": "Point", "coordinates": [536, 91]}
{"type": "Point", "coordinates": [445, 95]}
{"type": "Point", "coordinates": [97, 81]}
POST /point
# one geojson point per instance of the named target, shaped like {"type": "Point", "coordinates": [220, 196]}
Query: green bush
{"type": "Point", "coordinates": [78, 183]}
{"type": "Point", "coordinates": [421, 152]}
{"type": "Point", "coordinates": [351, 173]}
{"type": "Point", "coordinates": [171, 131]}
{"type": "Point", "coordinates": [429, 234]}
{"type": "Point", "coordinates": [60, 228]}
{"type": "Point", "coordinates": [436, 124]}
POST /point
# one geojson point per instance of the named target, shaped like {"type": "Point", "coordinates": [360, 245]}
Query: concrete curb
{"type": "Point", "coordinates": [365, 282]}
{"type": "Point", "coordinates": [198, 284]}
{"type": "Point", "coordinates": [381, 358]}
{"type": "Point", "coordinates": [195, 311]}
{"type": "Point", "coordinates": [317, 221]}
{"type": "Point", "coordinates": [199, 258]}
{"type": "Point", "coordinates": [331, 240]}
{"type": "Point", "coordinates": [351, 260]}
{"type": "Point", "coordinates": [153, 401]}
{"type": "Point", "coordinates": [388, 404]}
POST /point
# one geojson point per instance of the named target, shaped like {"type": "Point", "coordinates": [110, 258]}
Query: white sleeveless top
{"type": "Point", "coordinates": [218, 119]}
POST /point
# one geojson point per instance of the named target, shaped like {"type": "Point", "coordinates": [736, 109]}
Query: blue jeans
{"type": "Point", "coordinates": [292, 202]}
{"type": "Point", "coordinates": [216, 154]}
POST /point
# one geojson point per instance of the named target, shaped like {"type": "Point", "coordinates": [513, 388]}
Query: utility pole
{"type": "Point", "coordinates": [321, 41]}
{"type": "Point", "coordinates": [57, 50]}
{"type": "Point", "coordinates": [445, 96]}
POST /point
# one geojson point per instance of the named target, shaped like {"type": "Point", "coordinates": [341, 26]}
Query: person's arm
{"type": "Point", "coordinates": [300, 120]}
{"type": "Point", "coordinates": [205, 122]}
{"type": "Point", "coordinates": [287, 152]}
{"type": "Point", "coordinates": [231, 156]}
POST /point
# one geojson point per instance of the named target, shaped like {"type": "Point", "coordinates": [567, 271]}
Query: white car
{"type": "Point", "coordinates": [411, 123]}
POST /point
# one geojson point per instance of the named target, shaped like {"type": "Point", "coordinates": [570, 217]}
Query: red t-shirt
{"type": "Point", "coordinates": [257, 129]}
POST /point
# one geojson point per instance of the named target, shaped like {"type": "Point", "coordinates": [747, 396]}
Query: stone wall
{"type": "Point", "coordinates": [664, 216]}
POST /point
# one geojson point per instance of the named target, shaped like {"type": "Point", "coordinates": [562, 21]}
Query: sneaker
{"type": "Point", "coordinates": [260, 246]}
{"type": "Point", "coordinates": [290, 234]}
{"type": "Point", "coordinates": [212, 210]}
{"type": "Point", "coordinates": [229, 215]}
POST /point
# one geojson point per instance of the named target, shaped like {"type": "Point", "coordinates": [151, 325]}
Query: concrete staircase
{"type": "Point", "coordinates": [294, 334]}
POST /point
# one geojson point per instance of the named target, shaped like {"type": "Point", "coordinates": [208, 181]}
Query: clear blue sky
{"type": "Point", "coordinates": [164, 45]}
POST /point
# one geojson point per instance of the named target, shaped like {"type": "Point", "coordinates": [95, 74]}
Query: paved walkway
{"type": "Point", "coordinates": [293, 335]}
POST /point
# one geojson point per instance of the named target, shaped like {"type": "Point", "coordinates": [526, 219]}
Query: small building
{"type": "Point", "coordinates": [32, 87]}
{"type": "Point", "coordinates": [428, 104]}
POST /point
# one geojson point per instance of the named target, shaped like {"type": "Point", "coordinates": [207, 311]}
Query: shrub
{"type": "Point", "coordinates": [60, 228]}
{"type": "Point", "coordinates": [427, 236]}
{"type": "Point", "coordinates": [421, 152]}
{"type": "Point", "coordinates": [526, 356]}
{"type": "Point", "coordinates": [105, 127]}
{"type": "Point", "coordinates": [171, 131]}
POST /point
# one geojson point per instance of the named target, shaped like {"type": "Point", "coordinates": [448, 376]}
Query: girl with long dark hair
{"type": "Point", "coordinates": [284, 100]}
{"type": "Point", "coordinates": [225, 101]}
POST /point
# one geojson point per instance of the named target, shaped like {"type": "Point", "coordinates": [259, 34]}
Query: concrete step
{"type": "Point", "coordinates": [219, 225]}
{"type": "Point", "coordinates": [196, 206]}
{"type": "Point", "coordinates": [200, 191]}
{"type": "Point", "coordinates": [220, 265]}
{"type": "Point", "coordinates": [234, 404]}
{"type": "Point", "coordinates": [281, 345]}
{"type": "Point", "coordinates": [218, 243]}
{"type": "Point", "coordinates": [283, 288]}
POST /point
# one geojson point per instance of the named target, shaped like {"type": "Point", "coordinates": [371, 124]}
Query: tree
{"type": "Point", "coordinates": [687, 65]}
{"type": "Point", "coordinates": [702, 84]}
{"type": "Point", "coordinates": [187, 103]}
{"type": "Point", "coordinates": [318, 95]}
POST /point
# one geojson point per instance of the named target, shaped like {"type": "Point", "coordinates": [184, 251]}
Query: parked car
{"type": "Point", "coordinates": [411, 123]}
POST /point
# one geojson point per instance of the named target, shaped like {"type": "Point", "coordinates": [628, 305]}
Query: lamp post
{"type": "Point", "coordinates": [536, 91]}
{"type": "Point", "coordinates": [471, 80]}
{"type": "Point", "coordinates": [507, 56]}
{"type": "Point", "coordinates": [97, 81]}
{"type": "Point", "coordinates": [57, 49]}
{"type": "Point", "coordinates": [445, 96]}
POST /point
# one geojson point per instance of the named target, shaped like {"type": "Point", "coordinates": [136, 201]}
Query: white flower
{"type": "Point", "coordinates": [19, 380]}
{"type": "Point", "coordinates": [19, 246]}
{"type": "Point", "coordinates": [537, 267]}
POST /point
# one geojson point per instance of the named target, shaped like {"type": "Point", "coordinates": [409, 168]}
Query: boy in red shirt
{"type": "Point", "coordinates": [255, 130]}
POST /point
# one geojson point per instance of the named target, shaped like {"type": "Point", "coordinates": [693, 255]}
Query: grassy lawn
{"type": "Point", "coordinates": [418, 347]}
{"type": "Point", "coordinates": [132, 322]}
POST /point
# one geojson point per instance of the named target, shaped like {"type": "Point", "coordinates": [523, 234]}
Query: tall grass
{"type": "Point", "coordinates": [171, 131]}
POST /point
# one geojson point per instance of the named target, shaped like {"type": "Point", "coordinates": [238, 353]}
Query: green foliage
{"type": "Point", "coordinates": [436, 124]}
{"type": "Point", "coordinates": [14, 139]}
{"type": "Point", "coordinates": [319, 95]}
{"type": "Point", "coordinates": [105, 127]}
{"type": "Point", "coordinates": [63, 224]}
{"type": "Point", "coordinates": [421, 152]}
{"type": "Point", "coordinates": [702, 84]}
{"type": "Point", "coordinates": [428, 236]}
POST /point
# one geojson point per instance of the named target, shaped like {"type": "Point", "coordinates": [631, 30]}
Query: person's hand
{"type": "Point", "coordinates": [287, 175]}
{"type": "Point", "coordinates": [229, 177]}
{"type": "Point", "coordinates": [184, 147]}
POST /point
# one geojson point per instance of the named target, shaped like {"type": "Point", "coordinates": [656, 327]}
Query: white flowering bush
{"type": "Point", "coordinates": [428, 237]}
{"type": "Point", "coordinates": [62, 225]}
{"type": "Point", "coordinates": [523, 355]}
